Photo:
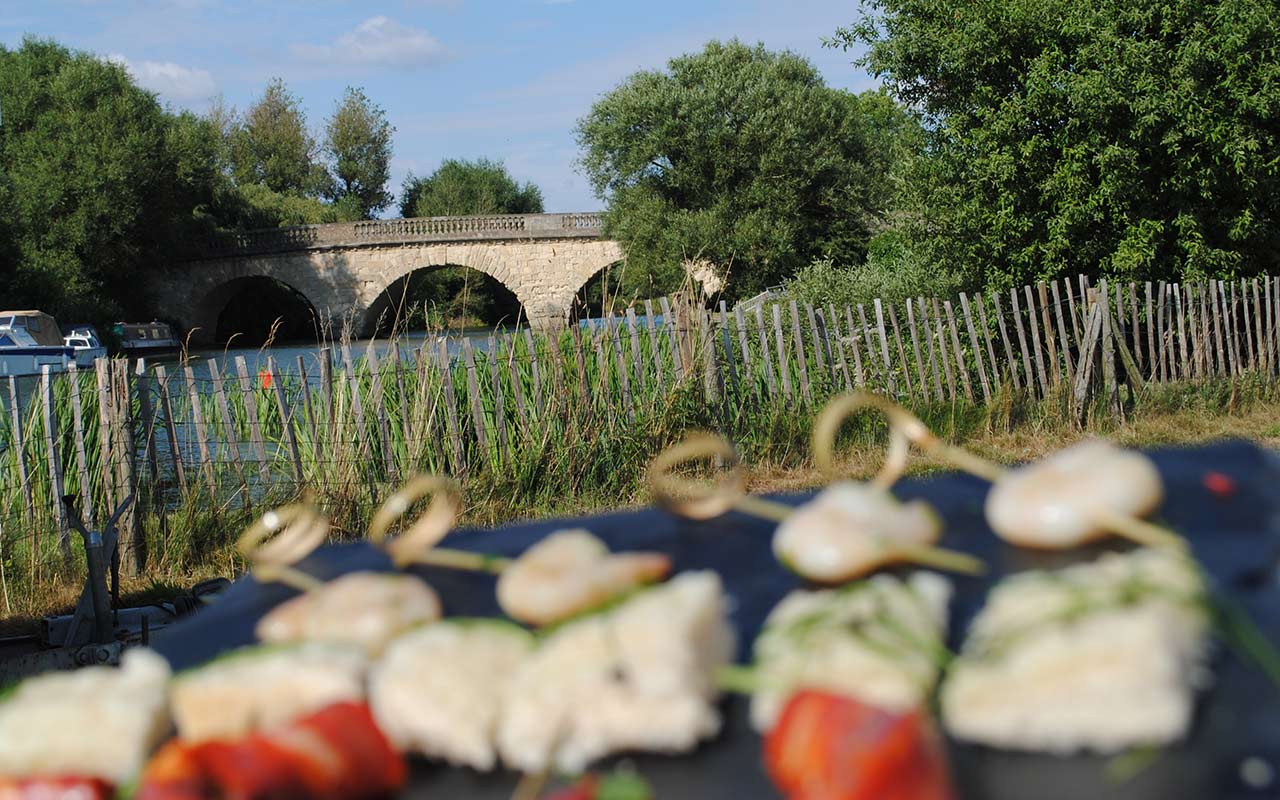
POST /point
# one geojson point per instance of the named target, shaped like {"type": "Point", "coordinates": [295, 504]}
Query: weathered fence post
{"type": "Point", "coordinates": [82, 458]}
{"type": "Point", "coordinates": [249, 395]}
{"type": "Point", "coordinates": [132, 543]}
{"type": "Point", "coordinates": [286, 420]}
{"type": "Point", "coordinates": [52, 440]}
{"type": "Point", "coordinates": [171, 429]}
{"type": "Point", "coordinates": [20, 451]}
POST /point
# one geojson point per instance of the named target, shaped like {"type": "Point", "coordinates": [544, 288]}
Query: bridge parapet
{"type": "Point", "coordinates": [406, 231]}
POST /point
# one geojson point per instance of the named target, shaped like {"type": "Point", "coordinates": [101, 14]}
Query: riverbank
{"type": "Point", "coordinates": [548, 423]}
{"type": "Point", "coordinates": [1018, 431]}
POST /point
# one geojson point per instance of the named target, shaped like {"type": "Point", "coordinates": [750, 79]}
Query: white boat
{"type": "Point", "coordinates": [83, 339]}
{"type": "Point", "coordinates": [30, 340]}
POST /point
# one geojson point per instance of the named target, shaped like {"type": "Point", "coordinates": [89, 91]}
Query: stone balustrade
{"type": "Point", "coordinates": [406, 231]}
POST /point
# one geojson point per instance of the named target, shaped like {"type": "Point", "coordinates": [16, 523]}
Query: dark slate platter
{"type": "Point", "coordinates": [1236, 538]}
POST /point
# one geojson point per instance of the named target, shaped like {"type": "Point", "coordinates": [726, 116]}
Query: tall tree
{"type": "Point", "coordinates": [735, 155]}
{"type": "Point", "coordinates": [1098, 136]}
{"type": "Point", "coordinates": [468, 187]}
{"type": "Point", "coordinates": [90, 189]}
{"type": "Point", "coordinates": [358, 143]}
{"type": "Point", "coordinates": [272, 146]}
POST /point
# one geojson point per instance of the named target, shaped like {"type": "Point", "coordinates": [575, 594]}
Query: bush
{"type": "Point", "coordinates": [254, 205]}
{"type": "Point", "coordinates": [895, 269]}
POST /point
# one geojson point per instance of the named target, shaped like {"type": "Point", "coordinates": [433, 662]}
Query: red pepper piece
{"type": "Point", "coordinates": [343, 745]}
{"type": "Point", "coordinates": [831, 747]}
{"type": "Point", "coordinates": [174, 773]}
{"type": "Point", "coordinates": [337, 753]}
{"type": "Point", "coordinates": [1219, 484]}
{"type": "Point", "coordinates": [253, 767]}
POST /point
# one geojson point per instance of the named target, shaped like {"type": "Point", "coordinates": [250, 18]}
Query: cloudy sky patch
{"type": "Point", "coordinates": [173, 82]}
{"type": "Point", "coordinates": [377, 41]}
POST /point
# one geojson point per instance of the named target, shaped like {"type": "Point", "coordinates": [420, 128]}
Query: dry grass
{"type": "Point", "coordinates": [1259, 423]}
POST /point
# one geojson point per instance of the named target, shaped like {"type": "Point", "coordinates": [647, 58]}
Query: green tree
{"type": "Point", "coordinates": [735, 155]}
{"type": "Point", "coordinates": [98, 183]}
{"type": "Point", "coordinates": [358, 142]}
{"type": "Point", "coordinates": [270, 145]}
{"type": "Point", "coordinates": [1137, 140]}
{"type": "Point", "coordinates": [468, 187]}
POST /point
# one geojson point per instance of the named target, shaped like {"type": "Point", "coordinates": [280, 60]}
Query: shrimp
{"type": "Point", "coordinates": [1069, 498]}
{"type": "Point", "coordinates": [367, 609]}
{"type": "Point", "coordinates": [851, 529]}
{"type": "Point", "coordinates": [572, 571]}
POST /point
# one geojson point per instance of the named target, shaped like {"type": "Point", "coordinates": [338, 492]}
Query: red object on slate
{"type": "Point", "coordinates": [337, 752]}
{"type": "Point", "coordinates": [831, 747]}
{"type": "Point", "coordinates": [1219, 484]}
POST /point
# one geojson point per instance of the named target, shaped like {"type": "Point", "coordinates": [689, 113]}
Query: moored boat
{"type": "Point", "coordinates": [83, 339]}
{"type": "Point", "coordinates": [140, 339]}
{"type": "Point", "coordinates": [29, 341]}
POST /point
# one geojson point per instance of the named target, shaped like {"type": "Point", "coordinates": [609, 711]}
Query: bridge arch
{"type": "Point", "coordinates": [544, 276]}
{"type": "Point", "coordinates": [253, 308]}
{"type": "Point", "coordinates": [597, 291]}
{"type": "Point", "coordinates": [396, 305]}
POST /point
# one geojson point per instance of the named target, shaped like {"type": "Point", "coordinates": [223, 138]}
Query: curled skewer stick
{"type": "Point", "coordinates": [905, 428]}
{"type": "Point", "coordinates": [417, 545]}
{"type": "Point", "coordinates": [695, 500]}
{"type": "Point", "coordinates": [279, 539]}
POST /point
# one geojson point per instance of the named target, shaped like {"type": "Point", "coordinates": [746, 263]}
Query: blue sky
{"type": "Point", "coordinates": [458, 78]}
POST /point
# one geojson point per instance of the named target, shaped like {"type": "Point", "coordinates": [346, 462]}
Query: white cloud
{"type": "Point", "coordinates": [169, 80]}
{"type": "Point", "coordinates": [377, 41]}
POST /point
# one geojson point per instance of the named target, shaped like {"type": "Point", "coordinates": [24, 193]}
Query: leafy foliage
{"type": "Point", "coordinates": [895, 270]}
{"type": "Point", "coordinates": [1137, 140]}
{"type": "Point", "coordinates": [270, 145]}
{"type": "Point", "coordinates": [735, 155]}
{"type": "Point", "coordinates": [99, 183]}
{"type": "Point", "coordinates": [264, 169]}
{"type": "Point", "coordinates": [358, 140]}
{"type": "Point", "coordinates": [460, 187]}
{"type": "Point", "coordinates": [256, 206]}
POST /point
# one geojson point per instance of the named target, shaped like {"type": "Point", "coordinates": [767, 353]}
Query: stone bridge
{"type": "Point", "coordinates": [344, 270]}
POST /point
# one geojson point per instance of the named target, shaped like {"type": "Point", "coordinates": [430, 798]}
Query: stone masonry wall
{"type": "Point", "coordinates": [342, 283]}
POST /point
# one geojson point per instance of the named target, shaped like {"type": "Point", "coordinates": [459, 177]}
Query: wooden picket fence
{"type": "Point", "coordinates": [184, 433]}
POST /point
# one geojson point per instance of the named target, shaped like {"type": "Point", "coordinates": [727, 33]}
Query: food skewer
{"type": "Point", "coordinates": [283, 536]}
{"type": "Point", "coordinates": [365, 608]}
{"type": "Point", "coordinates": [848, 530]}
{"type": "Point", "coordinates": [568, 572]}
{"type": "Point", "coordinates": [1123, 483]}
{"type": "Point", "coordinates": [418, 544]}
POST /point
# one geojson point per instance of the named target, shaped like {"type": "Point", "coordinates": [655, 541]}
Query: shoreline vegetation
{"type": "Point", "coordinates": [1182, 415]}
{"type": "Point", "coordinates": [560, 424]}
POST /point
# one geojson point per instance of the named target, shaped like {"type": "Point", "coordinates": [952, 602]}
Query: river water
{"type": "Point", "coordinates": [287, 354]}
